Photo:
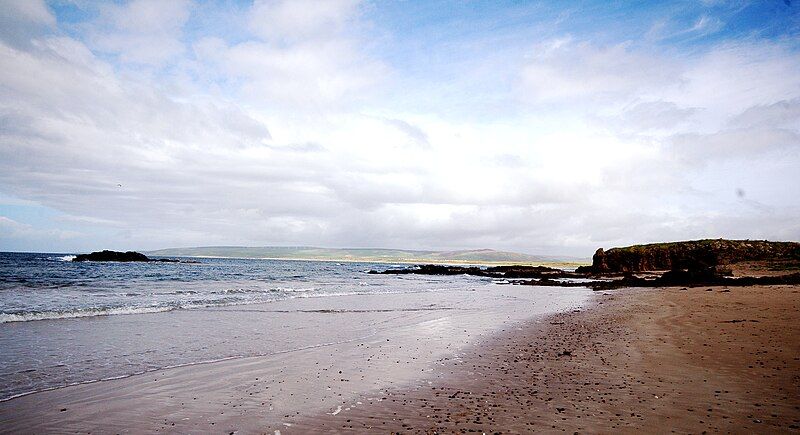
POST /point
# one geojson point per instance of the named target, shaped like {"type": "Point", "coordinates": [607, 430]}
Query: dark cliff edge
{"type": "Point", "coordinates": [689, 255]}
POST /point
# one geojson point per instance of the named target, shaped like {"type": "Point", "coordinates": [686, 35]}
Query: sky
{"type": "Point", "coordinates": [541, 127]}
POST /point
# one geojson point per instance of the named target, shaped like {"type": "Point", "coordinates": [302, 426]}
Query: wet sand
{"type": "Point", "coordinates": [697, 360]}
{"type": "Point", "coordinates": [316, 355]}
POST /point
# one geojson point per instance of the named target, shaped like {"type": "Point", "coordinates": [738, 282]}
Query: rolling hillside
{"type": "Point", "coordinates": [483, 256]}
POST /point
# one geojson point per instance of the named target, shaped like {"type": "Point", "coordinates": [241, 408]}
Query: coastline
{"type": "Point", "coordinates": [317, 354]}
{"type": "Point", "coordinates": [640, 360]}
{"type": "Point", "coordinates": [632, 360]}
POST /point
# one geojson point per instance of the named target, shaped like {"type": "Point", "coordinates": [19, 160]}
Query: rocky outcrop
{"type": "Point", "coordinates": [493, 272]}
{"type": "Point", "coordinates": [690, 255]}
{"type": "Point", "coordinates": [126, 257]}
{"type": "Point", "coordinates": [672, 278]}
{"type": "Point", "coordinates": [545, 276]}
{"type": "Point", "coordinates": [107, 255]}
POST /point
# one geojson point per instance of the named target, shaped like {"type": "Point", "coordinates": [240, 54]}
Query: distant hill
{"type": "Point", "coordinates": [480, 256]}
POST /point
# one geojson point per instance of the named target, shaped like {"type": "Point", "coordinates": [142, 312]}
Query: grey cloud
{"type": "Point", "coordinates": [785, 113]}
{"type": "Point", "coordinates": [416, 134]}
{"type": "Point", "coordinates": [732, 144]}
{"type": "Point", "coordinates": [308, 147]}
{"type": "Point", "coordinates": [656, 115]}
{"type": "Point", "coordinates": [22, 19]}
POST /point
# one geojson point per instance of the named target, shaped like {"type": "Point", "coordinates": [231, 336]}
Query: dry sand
{"type": "Point", "coordinates": [691, 360]}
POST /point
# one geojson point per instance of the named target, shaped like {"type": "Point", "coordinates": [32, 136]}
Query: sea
{"type": "Point", "coordinates": [65, 322]}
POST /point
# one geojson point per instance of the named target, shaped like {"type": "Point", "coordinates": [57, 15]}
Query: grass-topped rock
{"type": "Point", "coordinates": [691, 255]}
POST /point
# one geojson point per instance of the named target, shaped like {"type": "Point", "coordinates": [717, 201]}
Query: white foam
{"type": "Point", "coordinates": [49, 315]}
{"type": "Point", "coordinates": [295, 290]}
{"type": "Point", "coordinates": [289, 293]}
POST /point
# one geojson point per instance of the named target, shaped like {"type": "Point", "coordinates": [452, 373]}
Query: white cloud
{"type": "Point", "coordinates": [291, 21]}
{"type": "Point", "coordinates": [11, 229]}
{"type": "Point", "coordinates": [568, 71]}
{"type": "Point", "coordinates": [656, 115]}
{"type": "Point", "coordinates": [141, 31]}
{"type": "Point", "coordinates": [734, 77]}
{"type": "Point", "coordinates": [29, 11]}
{"type": "Point", "coordinates": [305, 54]}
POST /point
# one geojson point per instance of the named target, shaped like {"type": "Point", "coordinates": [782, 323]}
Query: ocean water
{"type": "Point", "coordinates": [36, 286]}
{"type": "Point", "coordinates": [64, 323]}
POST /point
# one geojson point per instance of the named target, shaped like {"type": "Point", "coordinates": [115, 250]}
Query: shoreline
{"type": "Point", "coordinates": [632, 360]}
{"type": "Point", "coordinates": [358, 344]}
{"type": "Point", "coordinates": [697, 360]}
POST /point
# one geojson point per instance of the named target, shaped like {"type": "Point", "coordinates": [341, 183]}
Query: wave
{"type": "Point", "coordinates": [264, 290]}
{"type": "Point", "coordinates": [62, 258]}
{"type": "Point", "coordinates": [232, 300]}
{"type": "Point", "coordinates": [294, 290]}
{"type": "Point", "coordinates": [89, 312]}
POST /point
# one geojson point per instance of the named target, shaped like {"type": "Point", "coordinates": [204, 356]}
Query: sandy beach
{"type": "Point", "coordinates": [697, 360]}
{"type": "Point", "coordinates": [655, 360]}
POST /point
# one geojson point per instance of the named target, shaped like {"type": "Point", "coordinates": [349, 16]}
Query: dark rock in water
{"type": "Point", "coordinates": [508, 272]}
{"type": "Point", "coordinates": [528, 272]}
{"type": "Point", "coordinates": [433, 269]}
{"type": "Point", "coordinates": [129, 256]}
{"type": "Point", "coordinates": [691, 255]}
{"type": "Point", "coordinates": [107, 255]}
{"type": "Point", "coordinates": [708, 276]}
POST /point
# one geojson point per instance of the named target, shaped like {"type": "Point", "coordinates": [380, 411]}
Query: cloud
{"type": "Point", "coordinates": [304, 54]}
{"type": "Point", "coordinates": [290, 21]}
{"type": "Point", "coordinates": [707, 24]}
{"type": "Point", "coordinates": [656, 115]}
{"type": "Point", "coordinates": [733, 143]}
{"type": "Point", "coordinates": [678, 29]}
{"type": "Point", "coordinates": [565, 70]}
{"type": "Point", "coordinates": [784, 113]}
{"type": "Point", "coordinates": [414, 133]}
{"type": "Point", "coordinates": [29, 11]}
{"type": "Point", "coordinates": [11, 229]}
{"type": "Point", "coordinates": [735, 76]}
{"type": "Point", "coordinates": [141, 31]}
{"type": "Point", "coordinates": [298, 127]}
{"type": "Point", "coordinates": [21, 19]}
